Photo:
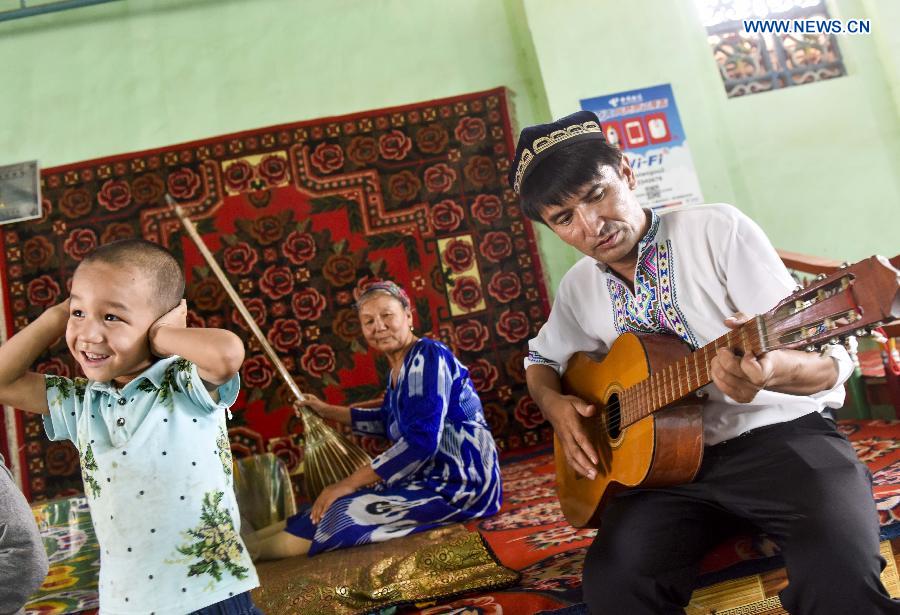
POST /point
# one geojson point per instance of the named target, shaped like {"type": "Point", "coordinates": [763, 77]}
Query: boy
{"type": "Point", "coordinates": [149, 426]}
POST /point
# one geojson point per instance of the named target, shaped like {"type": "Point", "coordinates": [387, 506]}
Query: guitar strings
{"type": "Point", "coordinates": [670, 373]}
{"type": "Point", "coordinates": [753, 338]}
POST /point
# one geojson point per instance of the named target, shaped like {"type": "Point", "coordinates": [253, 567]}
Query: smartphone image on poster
{"type": "Point", "coordinates": [635, 135]}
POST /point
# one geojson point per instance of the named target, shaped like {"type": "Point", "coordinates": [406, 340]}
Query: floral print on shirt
{"type": "Point", "coordinates": [63, 388]}
{"type": "Point", "coordinates": [224, 447]}
{"type": "Point", "coordinates": [88, 467]}
{"type": "Point", "coordinates": [216, 542]}
{"type": "Point", "coordinates": [169, 383]}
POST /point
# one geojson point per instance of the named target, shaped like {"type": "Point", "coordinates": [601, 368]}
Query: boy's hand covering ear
{"type": "Point", "coordinates": [61, 312]}
{"type": "Point", "coordinates": [176, 317]}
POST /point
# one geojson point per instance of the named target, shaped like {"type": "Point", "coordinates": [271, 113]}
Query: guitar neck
{"type": "Point", "coordinates": [829, 308]}
{"type": "Point", "coordinates": [681, 378]}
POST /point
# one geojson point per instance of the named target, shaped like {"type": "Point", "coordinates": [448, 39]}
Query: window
{"type": "Point", "coordinates": [772, 57]}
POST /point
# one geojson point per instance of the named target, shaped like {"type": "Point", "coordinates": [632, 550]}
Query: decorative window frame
{"type": "Point", "coordinates": [751, 63]}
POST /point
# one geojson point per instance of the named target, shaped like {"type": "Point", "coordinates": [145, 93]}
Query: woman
{"type": "Point", "coordinates": [442, 466]}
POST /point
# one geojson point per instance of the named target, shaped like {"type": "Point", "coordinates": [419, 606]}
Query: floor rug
{"type": "Point", "coordinates": [299, 215]}
{"type": "Point", "coordinates": [530, 535]}
{"type": "Point", "coordinates": [433, 565]}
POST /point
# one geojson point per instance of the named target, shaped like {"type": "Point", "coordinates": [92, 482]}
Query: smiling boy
{"type": "Point", "coordinates": [149, 425]}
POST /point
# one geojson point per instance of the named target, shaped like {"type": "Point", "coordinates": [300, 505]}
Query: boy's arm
{"type": "Point", "coordinates": [19, 387]}
{"type": "Point", "coordinates": [217, 353]}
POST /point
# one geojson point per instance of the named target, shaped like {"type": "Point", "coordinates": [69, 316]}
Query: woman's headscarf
{"type": "Point", "coordinates": [387, 287]}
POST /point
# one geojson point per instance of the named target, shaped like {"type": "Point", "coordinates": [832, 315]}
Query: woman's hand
{"type": "Point", "coordinates": [176, 317]}
{"type": "Point", "coordinates": [327, 498]}
{"type": "Point", "coordinates": [313, 403]}
{"type": "Point", "coordinates": [332, 412]}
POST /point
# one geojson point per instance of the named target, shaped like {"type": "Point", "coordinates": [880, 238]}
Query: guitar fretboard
{"type": "Point", "coordinates": [681, 378]}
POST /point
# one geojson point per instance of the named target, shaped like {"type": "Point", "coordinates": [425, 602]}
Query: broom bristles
{"type": "Point", "coordinates": [328, 456]}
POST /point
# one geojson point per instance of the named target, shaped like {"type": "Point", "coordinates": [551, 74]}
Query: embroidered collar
{"type": "Point", "coordinates": [645, 241]}
{"type": "Point", "coordinates": [154, 374]}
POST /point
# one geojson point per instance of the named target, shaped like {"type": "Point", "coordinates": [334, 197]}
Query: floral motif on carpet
{"type": "Point", "coordinates": [299, 216]}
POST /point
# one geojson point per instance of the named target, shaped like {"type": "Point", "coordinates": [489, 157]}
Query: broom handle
{"type": "Point", "coordinates": [235, 298]}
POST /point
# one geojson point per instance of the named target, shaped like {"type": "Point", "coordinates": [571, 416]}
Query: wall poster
{"type": "Point", "coordinates": [646, 125]}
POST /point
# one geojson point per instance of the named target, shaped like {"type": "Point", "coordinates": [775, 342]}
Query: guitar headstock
{"type": "Point", "coordinates": [846, 302]}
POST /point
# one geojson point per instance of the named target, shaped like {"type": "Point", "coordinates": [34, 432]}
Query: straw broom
{"type": "Point", "coordinates": [328, 456]}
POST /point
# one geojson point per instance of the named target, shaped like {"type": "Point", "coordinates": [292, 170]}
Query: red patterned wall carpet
{"type": "Point", "coordinates": [299, 216]}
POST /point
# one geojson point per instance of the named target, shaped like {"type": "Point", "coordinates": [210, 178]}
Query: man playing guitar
{"type": "Point", "coordinates": [772, 459]}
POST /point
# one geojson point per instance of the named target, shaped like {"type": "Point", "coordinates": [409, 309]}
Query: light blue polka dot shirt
{"type": "Point", "coordinates": [156, 465]}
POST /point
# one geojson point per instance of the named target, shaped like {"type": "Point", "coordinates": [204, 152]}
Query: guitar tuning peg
{"type": "Point", "coordinates": [861, 333]}
{"type": "Point", "coordinates": [834, 341]}
{"type": "Point", "coordinates": [821, 276]}
{"type": "Point", "coordinates": [810, 348]}
{"type": "Point", "coordinates": [844, 265]}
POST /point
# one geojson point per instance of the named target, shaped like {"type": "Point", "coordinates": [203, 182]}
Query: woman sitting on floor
{"type": "Point", "coordinates": [442, 467]}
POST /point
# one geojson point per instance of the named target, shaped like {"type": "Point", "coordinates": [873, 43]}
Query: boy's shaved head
{"type": "Point", "coordinates": [161, 268]}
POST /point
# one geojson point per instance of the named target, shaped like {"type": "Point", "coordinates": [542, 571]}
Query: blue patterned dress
{"type": "Point", "coordinates": [442, 467]}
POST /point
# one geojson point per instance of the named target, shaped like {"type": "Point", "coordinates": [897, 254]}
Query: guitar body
{"type": "Point", "coordinates": [664, 448]}
{"type": "Point", "coordinates": [661, 442]}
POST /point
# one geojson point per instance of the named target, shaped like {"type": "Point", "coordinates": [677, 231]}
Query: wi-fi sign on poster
{"type": "Point", "coordinates": [645, 124]}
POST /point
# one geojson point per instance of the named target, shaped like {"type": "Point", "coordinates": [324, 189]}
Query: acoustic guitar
{"type": "Point", "coordinates": [648, 427]}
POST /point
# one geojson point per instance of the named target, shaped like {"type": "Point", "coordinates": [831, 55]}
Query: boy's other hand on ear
{"type": "Point", "coordinates": [60, 315]}
{"type": "Point", "coordinates": [176, 317]}
{"type": "Point", "coordinates": [60, 311]}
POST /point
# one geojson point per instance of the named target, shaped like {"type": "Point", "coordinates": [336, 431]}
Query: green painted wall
{"type": "Point", "coordinates": [887, 41]}
{"type": "Point", "coordinates": [137, 74]}
{"type": "Point", "coordinates": [816, 165]}
{"type": "Point", "coordinates": [145, 73]}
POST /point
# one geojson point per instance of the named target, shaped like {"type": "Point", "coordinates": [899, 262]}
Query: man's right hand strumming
{"type": "Point", "coordinates": [564, 413]}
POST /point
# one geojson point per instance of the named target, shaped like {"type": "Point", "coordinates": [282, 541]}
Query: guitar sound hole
{"type": "Point", "coordinates": [613, 417]}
